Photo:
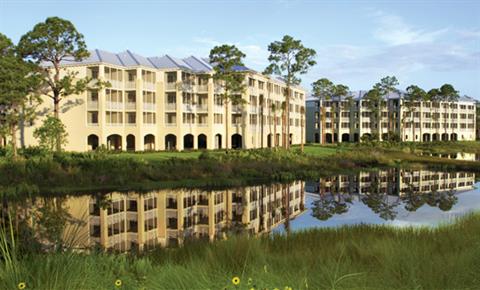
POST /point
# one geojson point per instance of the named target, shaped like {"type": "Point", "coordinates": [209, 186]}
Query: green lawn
{"type": "Point", "coordinates": [314, 150]}
{"type": "Point", "coordinates": [323, 151]}
{"type": "Point", "coordinates": [159, 156]}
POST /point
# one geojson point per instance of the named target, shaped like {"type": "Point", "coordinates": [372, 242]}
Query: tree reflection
{"type": "Point", "coordinates": [383, 192]}
{"type": "Point", "coordinates": [377, 200]}
{"type": "Point", "coordinates": [329, 205]}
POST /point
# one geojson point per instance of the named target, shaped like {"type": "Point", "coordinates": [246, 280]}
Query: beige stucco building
{"type": "Point", "coordinates": [162, 103]}
{"type": "Point", "coordinates": [349, 121]}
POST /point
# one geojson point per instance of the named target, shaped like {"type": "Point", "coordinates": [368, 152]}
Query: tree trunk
{"type": "Point", "coordinates": [275, 130]}
{"type": "Point", "coordinates": [287, 112]}
{"type": "Point", "coordinates": [323, 125]}
{"type": "Point", "coordinates": [13, 132]}
{"type": "Point", "coordinates": [301, 133]}
{"type": "Point", "coordinates": [333, 110]}
{"type": "Point", "coordinates": [261, 123]}
{"type": "Point", "coordinates": [226, 125]}
{"type": "Point", "coordinates": [270, 127]}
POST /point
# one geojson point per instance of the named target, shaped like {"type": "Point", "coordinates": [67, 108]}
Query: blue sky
{"type": "Point", "coordinates": [427, 43]}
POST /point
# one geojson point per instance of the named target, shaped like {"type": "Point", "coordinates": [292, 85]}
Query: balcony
{"type": "Point", "coordinates": [92, 105]}
{"type": "Point", "coordinates": [203, 201]}
{"type": "Point", "coordinates": [202, 88]}
{"type": "Point", "coordinates": [188, 107]}
{"type": "Point", "coordinates": [149, 107]}
{"type": "Point", "coordinates": [131, 85]}
{"type": "Point", "coordinates": [202, 108]}
{"type": "Point", "coordinates": [171, 204]}
{"type": "Point", "coordinates": [131, 106]}
{"type": "Point", "coordinates": [236, 109]}
{"type": "Point", "coordinates": [171, 86]}
{"type": "Point", "coordinates": [203, 220]}
{"type": "Point", "coordinates": [253, 91]}
{"type": "Point", "coordinates": [116, 106]}
{"type": "Point", "coordinates": [149, 86]}
{"type": "Point", "coordinates": [115, 84]}
{"type": "Point", "coordinates": [171, 106]}
{"type": "Point", "coordinates": [187, 87]}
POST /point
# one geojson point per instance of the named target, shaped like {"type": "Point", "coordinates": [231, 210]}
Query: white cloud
{"type": "Point", "coordinates": [393, 30]}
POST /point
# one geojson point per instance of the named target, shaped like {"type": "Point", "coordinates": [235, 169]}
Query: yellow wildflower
{"type": "Point", "coordinates": [118, 282]}
{"type": "Point", "coordinates": [21, 285]}
{"type": "Point", "coordinates": [236, 280]}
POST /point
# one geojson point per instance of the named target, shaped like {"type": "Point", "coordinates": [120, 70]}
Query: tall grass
{"type": "Point", "coordinates": [358, 257]}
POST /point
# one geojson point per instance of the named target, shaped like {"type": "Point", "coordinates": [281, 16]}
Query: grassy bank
{"type": "Point", "coordinates": [87, 172]}
{"type": "Point", "coordinates": [360, 257]}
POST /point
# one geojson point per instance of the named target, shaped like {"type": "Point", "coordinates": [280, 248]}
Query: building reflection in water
{"type": "Point", "coordinates": [384, 191]}
{"type": "Point", "coordinates": [127, 221]}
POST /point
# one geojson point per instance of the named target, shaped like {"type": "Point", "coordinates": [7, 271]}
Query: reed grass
{"type": "Point", "coordinates": [351, 257]}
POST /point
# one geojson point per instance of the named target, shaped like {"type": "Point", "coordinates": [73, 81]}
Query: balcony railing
{"type": "Point", "coordinates": [149, 106]}
{"type": "Point", "coordinates": [171, 124]}
{"type": "Point", "coordinates": [130, 124]}
{"type": "Point", "coordinates": [130, 85]}
{"type": "Point", "coordinates": [130, 106]}
{"type": "Point", "coordinates": [92, 105]}
{"type": "Point", "coordinates": [171, 106]}
{"type": "Point", "coordinates": [187, 87]}
{"type": "Point", "coordinates": [202, 108]}
{"type": "Point", "coordinates": [149, 86]}
{"type": "Point", "coordinates": [202, 88]}
{"type": "Point", "coordinates": [203, 124]}
{"type": "Point", "coordinates": [236, 109]}
{"type": "Point", "coordinates": [116, 84]}
{"type": "Point", "coordinates": [171, 86]}
{"type": "Point", "coordinates": [114, 105]}
{"type": "Point", "coordinates": [253, 91]}
{"type": "Point", "coordinates": [253, 110]}
{"type": "Point", "coordinates": [188, 107]}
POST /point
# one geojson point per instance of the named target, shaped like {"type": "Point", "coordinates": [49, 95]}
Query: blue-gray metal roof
{"type": "Point", "coordinates": [357, 95]}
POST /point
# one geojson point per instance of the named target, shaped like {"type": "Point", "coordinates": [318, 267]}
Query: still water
{"type": "Point", "coordinates": [128, 221]}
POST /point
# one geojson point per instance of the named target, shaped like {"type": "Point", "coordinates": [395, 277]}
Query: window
{"type": "Point", "coordinates": [148, 118]}
{"type": "Point", "coordinates": [188, 118]}
{"type": "Point", "coordinates": [114, 118]}
{"type": "Point", "coordinates": [218, 118]}
{"type": "Point", "coordinates": [92, 117]}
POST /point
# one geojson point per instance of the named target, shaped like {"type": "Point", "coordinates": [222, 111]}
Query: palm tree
{"type": "Point", "coordinates": [323, 89]}
{"type": "Point", "coordinates": [434, 97]}
{"type": "Point", "coordinates": [284, 123]}
{"type": "Point", "coordinates": [448, 94]}
{"type": "Point", "coordinates": [339, 91]}
{"type": "Point", "coordinates": [273, 110]}
{"type": "Point", "coordinates": [414, 95]}
{"type": "Point", "coordinates": [302, 114]}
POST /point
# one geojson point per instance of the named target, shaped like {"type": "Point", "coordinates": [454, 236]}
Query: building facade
{"type": "Point", "coordinates": [350, 120]}
{"type": "Point", "coordinates": [166, 103]}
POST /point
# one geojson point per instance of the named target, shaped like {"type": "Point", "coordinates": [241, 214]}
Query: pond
{"type": "Point", "coordinates": [138, 221]}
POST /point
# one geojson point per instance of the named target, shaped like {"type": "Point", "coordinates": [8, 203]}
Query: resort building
{"type": "Point", "coordinates": [128, 221]}
{"type": "Point", "coordinates": [167, 103]}
{"type": "Point", "coordinates": [348, 120]}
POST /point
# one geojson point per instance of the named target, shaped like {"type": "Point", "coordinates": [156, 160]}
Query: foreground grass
{"type": "Point", "coordinates": [359, 257]}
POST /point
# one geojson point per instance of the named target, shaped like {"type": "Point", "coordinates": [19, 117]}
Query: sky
{"type": "Point", "coordinates": [427, 43]}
